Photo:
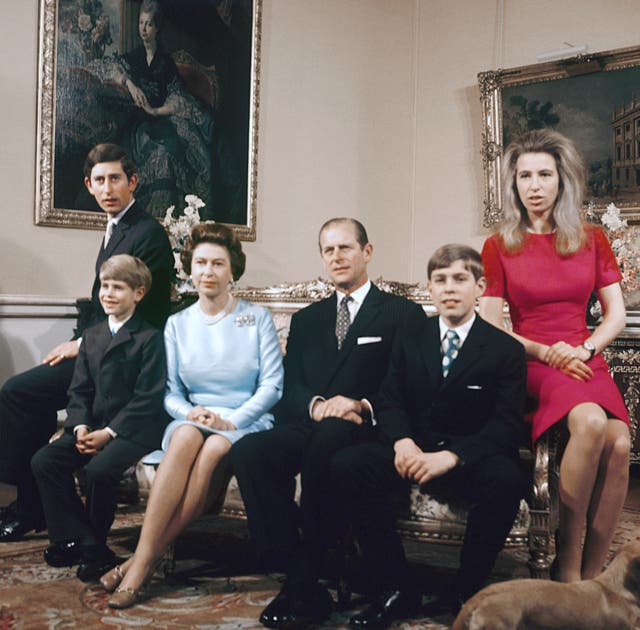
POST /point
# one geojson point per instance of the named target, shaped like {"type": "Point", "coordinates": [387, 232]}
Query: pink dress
{"type": "Point", "coordinates": [547, 296]}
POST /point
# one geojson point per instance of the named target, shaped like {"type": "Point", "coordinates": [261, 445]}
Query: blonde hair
{"type": "Point", "coordinates": [126, 268]}
{"type": "Point", "coordinates": [570, 232]}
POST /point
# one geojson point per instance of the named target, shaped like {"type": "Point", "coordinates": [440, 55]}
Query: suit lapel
{"type": "Point", "coordinates": [122, 337]}
{"type": "Point", "coordinates": [366, 314]}
{"type": "Point", "coordinates": [470, 353]}
{"type": "Point", "coordinates": [120, 230]}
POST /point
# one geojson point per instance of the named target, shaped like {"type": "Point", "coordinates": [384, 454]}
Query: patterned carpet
{"type": "Point", "coordinates": [215, 584]}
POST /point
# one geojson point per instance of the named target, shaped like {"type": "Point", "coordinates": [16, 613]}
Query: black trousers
{"type": "Point", "coordinates": [367, 481]}
{"type": "Point", "coordinates": [68, 518]}
{"type": "Point", "coordinates": [29, 403]}
{"type": "Point", "coordinates": [265, 465]}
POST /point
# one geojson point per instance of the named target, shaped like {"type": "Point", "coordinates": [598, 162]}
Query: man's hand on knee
{"type": "Point", "coordinates": [340, 407]}
{"type": "Point", "coordinates": [66, 350]}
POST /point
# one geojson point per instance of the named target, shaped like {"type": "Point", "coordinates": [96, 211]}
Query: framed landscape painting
{"type": "Point", "coordinates": [175, 82]}
{"type": "Point", "coordinates": [593, 99]}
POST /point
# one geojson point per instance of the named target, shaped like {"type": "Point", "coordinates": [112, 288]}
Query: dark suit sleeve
{"type": "Point", "coordinates": [154, 249]}
{"type": "Point", "coordinates": [391, 412]}
{"type": "Point", "coordinates": [296, 393]}
{"type": "Point", "coordinates": [411, 320]}
{"type": "Point", "coordinates": [503, 431]}
{"type": "Point", "coordinates": [82, 392]}
{"type": "Point", "coordinates": [146, 403]}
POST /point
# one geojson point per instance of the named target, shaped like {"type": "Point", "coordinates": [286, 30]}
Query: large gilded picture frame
{"type": "Point", "coordinates": [180, 94]}
{"type": "Point", "coordinates": [593, 99]}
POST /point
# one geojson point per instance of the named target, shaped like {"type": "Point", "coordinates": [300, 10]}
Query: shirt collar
{"type": "Point", "coordinates": [358, 295]}
{"type": "Point", "coordinates": [463, 331]}
{"type": "Point", "coordinates": [115, 326]}
{"type": "Point", "coordinates": [115, 220]}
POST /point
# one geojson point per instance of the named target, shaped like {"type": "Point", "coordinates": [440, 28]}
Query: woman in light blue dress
{"type": "Point", "coordinates": [224, 374]}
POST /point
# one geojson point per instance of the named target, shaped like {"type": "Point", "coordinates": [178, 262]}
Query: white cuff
{"type": "Point", "coordinates": [370, 407]}
{"type": "Point", "coordinates": [314, 400]}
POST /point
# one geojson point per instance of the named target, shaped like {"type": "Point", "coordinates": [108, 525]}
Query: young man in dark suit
{"type": "Point", "coordinates": [337, 354]}
{"type": "Point", "coordinates": [115, 415]}
{"type": "Point", "coordinates": [29, 401]}
{"type": "Point", "coordinates": [451, 419]}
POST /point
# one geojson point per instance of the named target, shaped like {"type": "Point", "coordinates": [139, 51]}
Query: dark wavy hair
{"type": "Point", "coordinates": [108, 152]}
{"type": "Point", "coordinates": [217, 234]}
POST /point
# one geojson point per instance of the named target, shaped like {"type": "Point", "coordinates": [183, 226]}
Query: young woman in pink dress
{"type": "Point", "coordinates": [545, 262]}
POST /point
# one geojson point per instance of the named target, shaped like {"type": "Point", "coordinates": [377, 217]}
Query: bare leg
{"type": "Point", "coordinates": [190, 505]}
{"type": "Point", "coordinates": [194, 500]}
{"type": "Point", "coordinates": [168, 487]}
{"type": "Point", "coordinates": [608, 498]}
{"type": "Point", "coordinates": [587, 424]}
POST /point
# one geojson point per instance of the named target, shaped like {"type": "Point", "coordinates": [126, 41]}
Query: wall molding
{"type": "Point", "coordinates": [37, 306]}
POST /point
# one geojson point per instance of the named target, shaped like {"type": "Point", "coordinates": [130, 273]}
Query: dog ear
{"type": "Point", "coordinates": [632, 577]}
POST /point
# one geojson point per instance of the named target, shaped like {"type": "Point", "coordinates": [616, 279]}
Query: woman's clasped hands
{"type": "Point", "coordinates": [208, 418]}
{"type": "Point", "coordinates": [571, 360]}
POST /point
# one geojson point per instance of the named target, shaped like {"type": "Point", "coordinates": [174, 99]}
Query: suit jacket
{"type": "Point", "coordinates": [138, 234]}
{"type": "Point", "coordinates": [476, 412]}
{"type": "Point", "coordinates": [119, 382]}
{"type": "Point", "coordinates": [313, 365]}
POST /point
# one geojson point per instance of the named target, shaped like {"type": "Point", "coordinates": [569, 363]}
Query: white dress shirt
{"type": "Point", "coordinates": [462, 331]}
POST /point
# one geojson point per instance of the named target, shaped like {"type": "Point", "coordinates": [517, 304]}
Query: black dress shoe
{"type": "Point", "coordinates": [14, 529]}
{"type": "Point", "coordinates": [386, 609]}
{"type": "Point", "coordinates": [64, 554]}
{"type": "Point", "coordinates": [301, 608]}
{"type": "Point", "coordinates": [96, 561]}
{"type": "Point", "coordinates": [448, 605]}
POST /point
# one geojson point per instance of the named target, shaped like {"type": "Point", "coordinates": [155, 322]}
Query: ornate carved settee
{"type": "Point", "coordinates": [425, 518]}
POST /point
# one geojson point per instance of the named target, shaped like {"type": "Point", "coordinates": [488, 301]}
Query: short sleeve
{"type": "Point", "coordinates": [493, 268]}
{"type": "Point", "coordinates": [607, 269]}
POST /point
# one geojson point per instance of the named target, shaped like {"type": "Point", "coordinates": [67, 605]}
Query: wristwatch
{"type": "Point", "coordinates": [590, 348]}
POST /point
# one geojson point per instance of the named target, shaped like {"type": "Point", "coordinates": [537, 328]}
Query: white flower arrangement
{"type": "Point", "coordinates": [612, 220]}
{"type": "Point", "coordinates": [624, 243]}
{"type": "Point", "coordinates": [178, 229]}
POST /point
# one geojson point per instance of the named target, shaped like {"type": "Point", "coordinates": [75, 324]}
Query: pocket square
{"type": "Point", "coordinates": [474, 386]}
{"type": "Point", "coordinates": [363, 340]}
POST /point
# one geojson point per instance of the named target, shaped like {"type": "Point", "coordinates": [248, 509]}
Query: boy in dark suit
{"type": "Point", "coordinates": [114, 417]}
{"type": "Point", "coordinates": [29, 401]}
{"type": "Point", "coordinates": [451, 419]}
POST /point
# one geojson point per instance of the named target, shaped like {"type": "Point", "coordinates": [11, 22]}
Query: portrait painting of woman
{"type": "Point", "coordinates": [168, 80]}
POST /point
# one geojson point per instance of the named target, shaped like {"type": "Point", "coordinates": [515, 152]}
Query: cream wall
{"type": "Point", "coordinates": [368, 107]}
{"type": "Point", "coordinates": [336, 137]}
{"type": "Point", "coordinates": [457, 39]}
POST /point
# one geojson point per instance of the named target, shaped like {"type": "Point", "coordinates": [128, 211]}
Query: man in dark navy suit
{"type": "Point", "coordinates": [337, 354]}
{"type": "Point", "coordinates": [29, 401]}
{"type": "Point", "coordinates": [451, 419]}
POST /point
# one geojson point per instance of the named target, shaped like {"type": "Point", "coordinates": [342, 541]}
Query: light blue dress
{"type": "Point", "coordinates": [232, 367]}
